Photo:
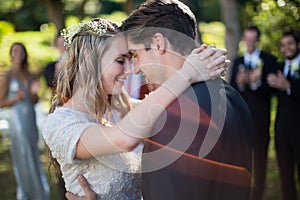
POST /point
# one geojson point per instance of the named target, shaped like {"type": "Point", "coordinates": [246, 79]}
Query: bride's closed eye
{"type": "Point", "coordinates": [121, 60]}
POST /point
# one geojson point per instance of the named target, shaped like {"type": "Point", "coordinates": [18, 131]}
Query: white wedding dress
{"type": "Point", "coordinates": [112, 177]}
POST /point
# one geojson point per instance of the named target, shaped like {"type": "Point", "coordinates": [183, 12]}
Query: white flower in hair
{"type": "Point", "coordinates": [94, 26]}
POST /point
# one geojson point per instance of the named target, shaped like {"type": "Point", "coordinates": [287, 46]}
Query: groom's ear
{"type": "Point", "coordinates": [159, 42]}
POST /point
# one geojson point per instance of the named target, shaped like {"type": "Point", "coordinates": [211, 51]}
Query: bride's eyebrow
{"type": "Point", "coordinates": [132, 52]}
{"type": "Point", "coordinates": [126, 55]}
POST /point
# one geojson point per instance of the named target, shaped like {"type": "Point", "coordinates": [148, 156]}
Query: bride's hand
{"type": "Point", "coordinates": [205, 63]}
{"type": "Point", "coordinates": [90, 194]}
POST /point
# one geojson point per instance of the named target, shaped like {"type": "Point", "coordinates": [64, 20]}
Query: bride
{"type": "Point", "coordinates": [93, 129]}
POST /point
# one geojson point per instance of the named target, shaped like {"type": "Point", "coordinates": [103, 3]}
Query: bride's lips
{"type": "Point", "coordinates": [121, 79]}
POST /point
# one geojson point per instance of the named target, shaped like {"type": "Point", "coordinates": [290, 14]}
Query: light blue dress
{"type": "Point", "coordinates": [31, 179]}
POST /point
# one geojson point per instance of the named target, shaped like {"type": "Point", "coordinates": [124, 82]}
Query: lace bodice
{"type": "Point", "coordinates": [111, 176]}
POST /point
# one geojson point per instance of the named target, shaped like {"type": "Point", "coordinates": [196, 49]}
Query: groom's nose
{"type": "Point", "coordinates": [136, 69]}
{"type": "Point", "coordinates": [128, 67]}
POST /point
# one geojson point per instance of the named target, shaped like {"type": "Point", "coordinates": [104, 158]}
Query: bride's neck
{"type": "Point", "coordinates": [76, 102]}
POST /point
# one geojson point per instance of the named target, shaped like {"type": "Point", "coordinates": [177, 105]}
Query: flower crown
{"type": "Point", "coordinates": [95, 26]}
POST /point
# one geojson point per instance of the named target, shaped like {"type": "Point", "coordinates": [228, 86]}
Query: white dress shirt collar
{"type": "Point", "coordinates": [251, 58]}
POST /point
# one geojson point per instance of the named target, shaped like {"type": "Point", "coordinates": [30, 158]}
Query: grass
{"type": "Point", "coordinates": [7, 179]}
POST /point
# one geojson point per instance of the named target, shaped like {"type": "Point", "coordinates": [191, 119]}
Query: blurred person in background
{"type": "Point", "coordinates": [52, 69]}
{"type": "Point", "coordinates": [50, 73]}
{"type": "Point", "coordinates": [18, 91]}
{"type": "Point", "coordinates": [287, 136]}
{"type": "Point", "coordinates": [249, 74]}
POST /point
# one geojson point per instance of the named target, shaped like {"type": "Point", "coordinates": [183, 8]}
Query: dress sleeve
{"type": "Point", "coordinates": [62, 131]}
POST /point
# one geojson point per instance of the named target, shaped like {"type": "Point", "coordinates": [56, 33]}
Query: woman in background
{"type": "Point", "coordinates": [18, 91]}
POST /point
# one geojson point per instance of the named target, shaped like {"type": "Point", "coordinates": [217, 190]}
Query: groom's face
{"type": "Point", "coordinates": [149, 63]}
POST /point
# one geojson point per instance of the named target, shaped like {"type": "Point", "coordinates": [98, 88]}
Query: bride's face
{"type": "Point", "coordinates": [116, 65]}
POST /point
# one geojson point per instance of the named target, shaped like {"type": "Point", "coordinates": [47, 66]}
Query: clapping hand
{"type": "Point", "coordinates": [278, 81]}
{"type": "Point", "coordinates": [255, 75]}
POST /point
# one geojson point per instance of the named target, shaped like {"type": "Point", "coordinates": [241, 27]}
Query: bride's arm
{"type": "Point", "coordinates": [138, 123]}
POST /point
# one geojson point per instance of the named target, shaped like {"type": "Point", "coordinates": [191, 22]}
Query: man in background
{"type": "Point", "coordinates": [287, 137]}
{"type": "Point", "coordinates": [249, 74]}
{"type": "Point", "coordinates": [52, 69]}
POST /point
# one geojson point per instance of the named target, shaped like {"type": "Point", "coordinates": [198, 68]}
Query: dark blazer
{"type": "Point", "coordinates": [207, 140]}
{"type": "Point", "coordinates": [258, 101]}
{"type": "Point", "coordinates": [49, 74]}
{"type": "Point", "coordinates": [288, 108]}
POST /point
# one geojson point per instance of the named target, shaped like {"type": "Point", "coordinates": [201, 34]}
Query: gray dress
{"type": "Point", "coordinates": [31, 180]}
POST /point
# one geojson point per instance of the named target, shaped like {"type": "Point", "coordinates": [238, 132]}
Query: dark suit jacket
{"type": "Point", "coordinates": [211, 121]}
{"type": "Point", "coordinates": [258, 101]}
{"type": "Point", "coordinates": [49, 74]}
{"type": "Point", "coordinates": [288, 109]}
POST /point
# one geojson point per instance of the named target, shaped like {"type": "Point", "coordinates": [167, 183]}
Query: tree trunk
{"type": "Point", "coordinates": [129, 6]}
{"type": "Point", "coordinates": [55, 9]}
{"type": "Point", "coordinates": [81, 9]}
{"type": "Point", "coordinates": [230, 15]}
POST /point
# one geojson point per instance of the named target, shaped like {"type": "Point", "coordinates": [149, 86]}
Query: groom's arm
{"type": "Point", "coordinates": [90, 194]}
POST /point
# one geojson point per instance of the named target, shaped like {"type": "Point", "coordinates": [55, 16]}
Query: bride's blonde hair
{"type": "Point", "coordinates": [82, 69]}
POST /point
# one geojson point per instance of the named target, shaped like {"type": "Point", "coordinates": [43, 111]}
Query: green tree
{"type": "Point", "coordinates": [25, 15]}
{"type": "Point", "coordinates": [274, 17]}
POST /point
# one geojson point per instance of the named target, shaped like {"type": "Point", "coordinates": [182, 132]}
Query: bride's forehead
{"type": "Point", "coordinates": [117, 48]}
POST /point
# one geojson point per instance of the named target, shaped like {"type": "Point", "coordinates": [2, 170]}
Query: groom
{"type": "Point", "coordinates": [202, 149]}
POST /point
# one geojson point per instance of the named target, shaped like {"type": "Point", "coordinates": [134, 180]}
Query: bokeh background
{"type": "Point", "coordinates": [36, 23]}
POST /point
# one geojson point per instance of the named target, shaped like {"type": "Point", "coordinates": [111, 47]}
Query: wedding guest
{"type": "Point", "coordinates": [52, 69]}
{"type": "Point", "coordinates": [249, 74]}
{"type": "Point", "coordinates": [287, 138]}
{"type": "Point", "coordinates": [19, 93]}
{"type": "Point", "coordinates": [50, 73]}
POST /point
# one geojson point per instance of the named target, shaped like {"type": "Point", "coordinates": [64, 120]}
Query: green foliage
{"type": "Point", "coordinates": [272, 18]}
{"type": "Point", "coordinates": [5, 28]}
{"type": "Point", "coordinates": [116, 17]}
{"type": "Point", "coordinates": [109, 7]}
{"type": "Point", "coordinates": [213, 33]}
{"type": "Point", "coordinates": [72, 20]}
{"type": "Point", "coordinates": [37, 45]}
{"type": "Point", "coordinates": [25, 15]}
{"type": "Point", "coordinates": [10, 6]}
{"type": "Point", "coordinates": [210, 11]}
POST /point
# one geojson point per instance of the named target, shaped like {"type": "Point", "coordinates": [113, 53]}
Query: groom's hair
{"type": "Point", "coordinates": [172, 18]}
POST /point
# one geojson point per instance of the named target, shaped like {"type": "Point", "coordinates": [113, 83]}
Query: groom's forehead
{"type": "Point", "coordinates": [132, 48]}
